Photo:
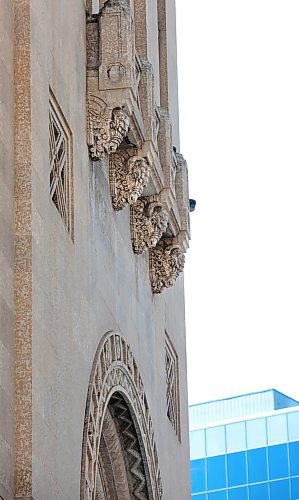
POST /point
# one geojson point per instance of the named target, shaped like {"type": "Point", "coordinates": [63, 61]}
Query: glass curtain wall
{"type": "Point", "coordinates": [256, 459]}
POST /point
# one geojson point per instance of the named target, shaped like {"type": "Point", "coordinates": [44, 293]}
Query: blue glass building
{"type": "Point", "coordinates": [245, 448]}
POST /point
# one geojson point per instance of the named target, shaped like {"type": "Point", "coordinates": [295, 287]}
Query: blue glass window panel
{"type": "Point", "coordinates": [280, 490]}
{"type": "Point", "coordinates": [238, 494]}
{"type": "Point", "coordinates": [259, 492]}
{"type": "Point", "coordinates": [256, 433]}
{"type": "Point", "coordinates": [277, 429]}
{"type": "Point", "coordinates": [200, 496]}
{"type": "Point", "coordinates": [293, 425]}
{"type": "Point", "coordinates": [278, 461]}
{"type": "Point", "coordinates": [216, 473]}
{"type": "Point", "coordinates": [197, 444]}
{"type": "Point", "coordinates": [294, 458]}
{"type": "Point", "coordinates": [295, 488]}
{"type": "Point", "coordinates": [257, 465]}
{"type": "Point", "coordinates": [217, 495]}
{"type": "Point", "coordinates": [198, 476]}
{"type": "Point", "coordinates": [215, 437]}
{"type": "Point", "coordinates": [235, 437]}
{"type": "Point", "coordinates": [236, 469]}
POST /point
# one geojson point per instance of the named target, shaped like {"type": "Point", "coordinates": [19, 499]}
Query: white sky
{"type": "Point", "coordinates": [239, 113]}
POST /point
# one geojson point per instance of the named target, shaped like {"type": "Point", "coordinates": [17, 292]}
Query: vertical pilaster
{"type": "Point", "coordinates": [163, 56]}
{"type": "Point", "coordinates": [140, 18]}
{"type": "Point", "coordinates": [22, 253]}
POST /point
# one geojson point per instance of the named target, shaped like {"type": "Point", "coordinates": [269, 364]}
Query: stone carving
{"type": "Point", "coordinates": [107, 355]}
{"type": "Point", "coordinates": [92, 42]}
{"type": "Point", "coordinates": [61, 171]}
{"type": "Point", "coordinates": [130, 361]}
{"type": "Point", "coordinates": [127, 431]}
{"type": "Point", "coordinates": [117, 47]}
{"type": "Point", "coordinates": [172, 386]}
{"type": "Point", "coordinates": [116, 72]}
{"type": "Point", "coordinates": [166, 263]}
{"type": "Point", "coordinates": [149, 220]}
{"type": "Point", "coordinates": [106, 127]}
{"type": "Point", "coordinates": [121, 391]}
{"type": "Point", "coordinates": [123, 121]}
{"type": "Point", "coordinates": [129, 174]}
{"type": "Point", "coordinates": [117, 347]}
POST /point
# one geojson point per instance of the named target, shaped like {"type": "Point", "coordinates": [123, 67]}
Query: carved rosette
{"type": "Point", "coordinates": [149, 220]}
{"type": "Point", "coordinates": [115, 378]}
{"type": "Point", "coordinates": [166, 264]}
{"type": "Point", "coordinates": [129, 174]}
{"type": "Point", "coordinates": [106, 127]}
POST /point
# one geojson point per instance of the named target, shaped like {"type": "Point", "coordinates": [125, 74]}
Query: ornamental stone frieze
{"type": "Point", "coordinates": [149, 220]}
{"type": "Point", "coordinates": [106, 127]}
{"type": "Point", "coordinates": [125, 123]}
{"type": "Point", "coordinates": [166, 263]}
{"type": "Point", "coordinates": [129, 174]}
{"type": "Point", "coordinates": [122, 464]}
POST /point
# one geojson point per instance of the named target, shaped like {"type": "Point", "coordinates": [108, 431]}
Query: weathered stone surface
{"type": "Point", "coordinates": [63, 285]}
{"type": "Point", "coordinates": [6, 248]}
{"type": "Point", "coordinates": [106, 128]}
{"type": "Point", "coordinates": [166, 264]}
{"type": "Point", "coordinates": [129, 175]}
{"type": "Point", "coordinates": [149, 220]}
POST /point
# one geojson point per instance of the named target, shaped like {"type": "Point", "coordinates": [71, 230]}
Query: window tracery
{"type": "Point", "coordinates": [60, 159]}
{"type": "Point", "coordinates": [172, 386]}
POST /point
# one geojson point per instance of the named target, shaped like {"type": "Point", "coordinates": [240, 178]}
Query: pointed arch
{"type": "Point", "coordinates": [119, 455]}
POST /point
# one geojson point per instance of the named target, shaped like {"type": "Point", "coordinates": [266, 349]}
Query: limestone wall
{"type": "Point", "coordinates": [81, 287]}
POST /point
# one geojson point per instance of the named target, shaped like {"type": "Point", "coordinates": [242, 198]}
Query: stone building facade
{"type": "Point", "coordinates": [94, 230]}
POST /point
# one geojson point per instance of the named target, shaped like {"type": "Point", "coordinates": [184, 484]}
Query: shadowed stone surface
{"type": "Point", "coordinates": [71, 218]}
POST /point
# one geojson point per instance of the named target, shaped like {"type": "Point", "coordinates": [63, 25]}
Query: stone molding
{"type": "Point", "coordinates": [149, 219]}
{"type": "Point", "coordinates": [22, 454]}
{"type": "Point", "coordinates": [114, 372]}
{"type": "Point", "coordinates": [166, 263]}
{"type": "Point", "coordinates": [182, 196]}
{"type": "Point", "coordinates": [129, 174]}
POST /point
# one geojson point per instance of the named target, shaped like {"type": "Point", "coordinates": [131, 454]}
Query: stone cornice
{"type": "Point", "coordinates": [125, 124]}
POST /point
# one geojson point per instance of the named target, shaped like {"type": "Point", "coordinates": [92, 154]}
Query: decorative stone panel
{"type": "Point", "coordinates": [61, 169]}
{"type": "Point", "coordinates": [119, 65]}
{"type": "Point", "coordinates": [113, 66]}
{"type": "Point", "coordinates": [172, 385]}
